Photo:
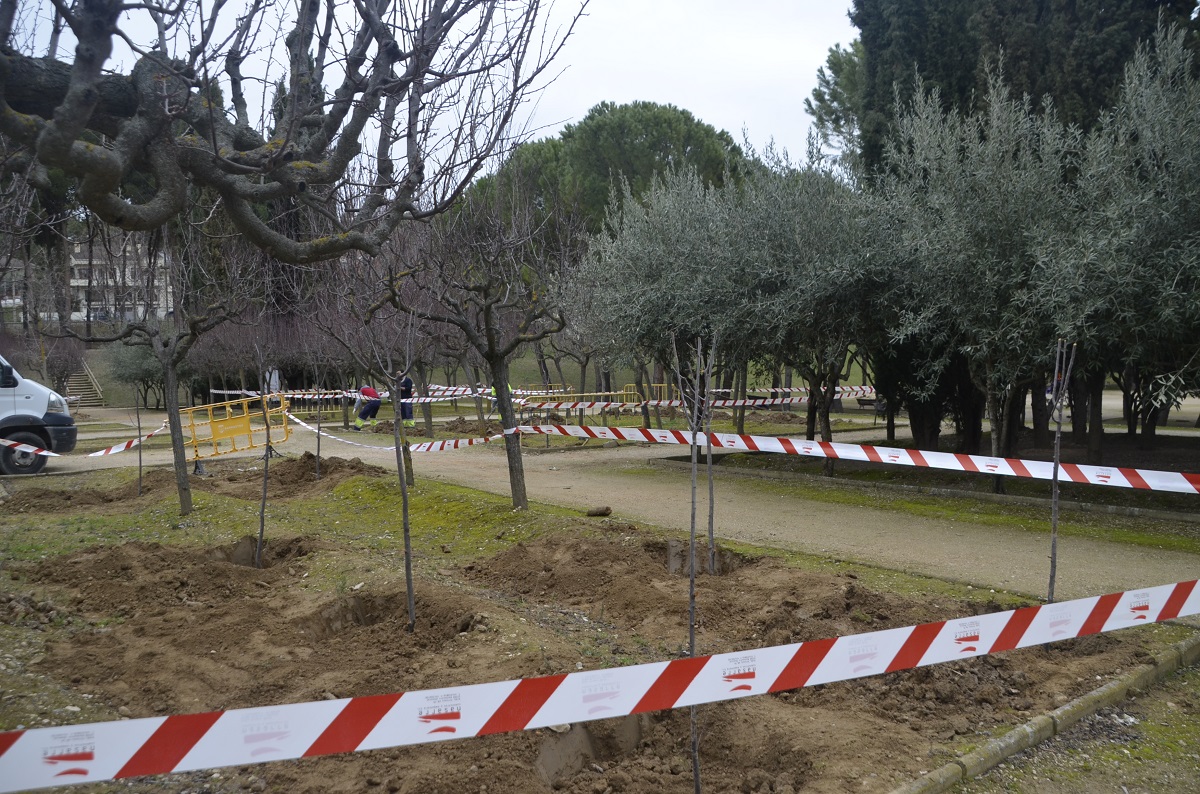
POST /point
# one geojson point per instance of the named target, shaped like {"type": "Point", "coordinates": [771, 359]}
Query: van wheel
{"type": "Point", "coordinates": [14, 462]}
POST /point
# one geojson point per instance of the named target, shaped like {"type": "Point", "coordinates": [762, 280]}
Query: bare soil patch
{"type": "Point", "coordinates": [460, 425]}
{"type": "Point", "coordinates": [144, 629]}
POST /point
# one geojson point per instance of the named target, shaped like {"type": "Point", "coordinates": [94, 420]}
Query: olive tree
{"type": "Point", "coordinates": [803, 241]}
{"type": "Point", "coordinates": [971, 196]}
{"type": "Point", "coordinates": [1125, 278]}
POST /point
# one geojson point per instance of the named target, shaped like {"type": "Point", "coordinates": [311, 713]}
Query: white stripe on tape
{"type": "Point", "coordinates": [69, 754]}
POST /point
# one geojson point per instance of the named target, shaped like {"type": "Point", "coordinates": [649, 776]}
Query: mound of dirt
{"type": "Point", "coordinates": [287, 478]}
{"type": "Point", "coordinates": [46, 500]}
{"type": "Point", "coordinates": [462, 426]}
{"type": "Point", "coordinates": [145, 629]}
{"type": "Point", "coordinates": [774, 417]}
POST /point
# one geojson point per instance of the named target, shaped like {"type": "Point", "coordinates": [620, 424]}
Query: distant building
{"type": "Point", "coordinates": [104, 285]}
{"type": "Point", "coordinates": [121, 285]}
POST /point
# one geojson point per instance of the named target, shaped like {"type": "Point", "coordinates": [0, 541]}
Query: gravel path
{"type": "Point", "coordinates": [755, 512]}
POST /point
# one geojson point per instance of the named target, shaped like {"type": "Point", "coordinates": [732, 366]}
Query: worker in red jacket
{"type": "Point", "coordinates": [369, 399]}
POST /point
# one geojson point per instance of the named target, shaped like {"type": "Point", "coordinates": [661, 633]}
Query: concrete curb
{"type": "Point", "coordinates": [1046, 726]}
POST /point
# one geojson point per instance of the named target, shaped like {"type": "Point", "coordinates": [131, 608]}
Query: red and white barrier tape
{"type": "Point", "coordinates": [19, 447]}
{"type": "Point", "coordinates": [1144, 479]}
{"type": "Point", "coordinates": [756, 402]}
{"type": "Point", "coordinates": [113, 450]}
{"type": "Point", "coordinates": [456, 391]}
{"type": "Point", "coordinates": [293, 418]}
{"type": "Point", "coordinates": [456, 443]}
{"type": "Point", "coordinates": [750, 403]}
{"type": "Point", "coordinates": [428, 446]}
{"type": "Point", "coordinates": [69, 754]}
{"type": "Point", "coordinates": [307, 395]}
{"type": "Point", "coordinates": [839, 391]}
{"type": "Point", "coordinates": [571, 406]}
{"type": "Point", "coordinates": [314, 395]}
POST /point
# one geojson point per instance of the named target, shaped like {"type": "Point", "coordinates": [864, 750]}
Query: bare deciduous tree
{"type": "Point", "coordinates": [419, 93]}
{"type": "Point", "coordinates": [492, 269]}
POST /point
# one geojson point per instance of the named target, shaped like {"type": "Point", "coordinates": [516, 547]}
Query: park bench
{"type": "Point", "coordinates": [878, 404]}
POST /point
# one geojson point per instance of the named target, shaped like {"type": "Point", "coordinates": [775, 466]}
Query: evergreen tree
{"type": "Point", "coordinates": [637, 142]}
{"type": "Point", "coordinates": [1072, 52]}
{"type": "Point", "coordinates": [904, 38]}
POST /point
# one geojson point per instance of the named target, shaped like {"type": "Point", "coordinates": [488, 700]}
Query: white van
{"type": "Point", "coordinates": [34, 415]}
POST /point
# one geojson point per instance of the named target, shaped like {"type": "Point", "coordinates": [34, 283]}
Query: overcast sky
{"type": "Point", "coordinates": [735, 64]}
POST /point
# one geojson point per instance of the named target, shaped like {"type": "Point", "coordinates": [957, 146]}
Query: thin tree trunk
{"type": "Point", "coordinates": [479, 397]}
{"type": "Point", "coordinates": [179, 456]}
{"type": "Point", "coordinates": [1041, 413]}
{"type": "Point", "coordinates": [1095, 439]}
{"type": "Point", "coordinates": [998, 411]}
{"type": "Point", "coordinates": [540, 355]}
{"type": "Point", "coordinates": [403, 474]}
{"type": "Point", "coordinates": [512, 441]}
{"type": "Point", "coordinates": [426, 408]}
{"type": "Point", "coordinates": [262, 507]}
{"type": "Point", "coordinates": [1080, 406]}
{"type": "Point", "coordinates": [827, 396]}
{"type": "Point", "coordinates": [640, 382]}
{"type": "Point", "coordinates": [743, 375]}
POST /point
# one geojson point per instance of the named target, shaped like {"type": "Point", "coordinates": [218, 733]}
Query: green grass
{"type": "Point", "coordinates": [1163, 739]}
{"type": "Point", "coordinates": [1158, 534]}
{"type": "Point", "coordinates": [450, 525]}
{"type": "Point", "coordinates": [361, 508]}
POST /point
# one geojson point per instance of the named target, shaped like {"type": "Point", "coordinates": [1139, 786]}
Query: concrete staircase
{"type": "Point", "coordinates": [83, 385]}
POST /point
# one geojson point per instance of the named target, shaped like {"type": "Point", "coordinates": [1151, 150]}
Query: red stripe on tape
{"type": "Point", "coordinates": [750, 445]}
{"type": "Point", "coordinates": [918, 458]}
{"type": "Point", "coordinates": [1176, 600]}
{"type": "Point", "coordinates": [1193, 480]}
{"type": "Point", "coordinates": [1135, 479]}
{"type": "Point", "coordinates": [7, 740]}
{"type": "Point", "coordinates": [670, 684]}
{"type": "Point", "coordinates": [910, 653]}
{"type": "Point", "coordinates": [788, 446]}
{"type": "Point", "coordinates": [828, 449]}
{"type": "Point", "coordinates": [1018, 467]}
{"type": "Point", "coordinates": [967, 463]}
{"type": "Point", "coordinates": [1073, 473]}
{"type": "Point", "coordinates": [1099, 615]}
{"type": "Point", "coordinates": [1014, 629]}
{"type": "Point", "coordinates": [163, 751]}
{"type": "Point", "coordinates": [351, 726]}
{"type": "Point", "coordinates": [803, 663]}
{"type": "Point", "coordinates": [520, 706]}
{"type": "Point", "coordinates": [872, 454]}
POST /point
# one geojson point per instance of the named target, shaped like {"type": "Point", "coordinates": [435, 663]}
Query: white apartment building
{"type": "Point", "coordinates": [118, 285]}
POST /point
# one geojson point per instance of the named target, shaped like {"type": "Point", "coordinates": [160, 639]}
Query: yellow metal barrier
{"type": "Point", "coordinates": [551, 390]}
{"type": "Point", "coordinates": [658, 391]}
{"type": "Point", "coordinates": [233, 426]}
